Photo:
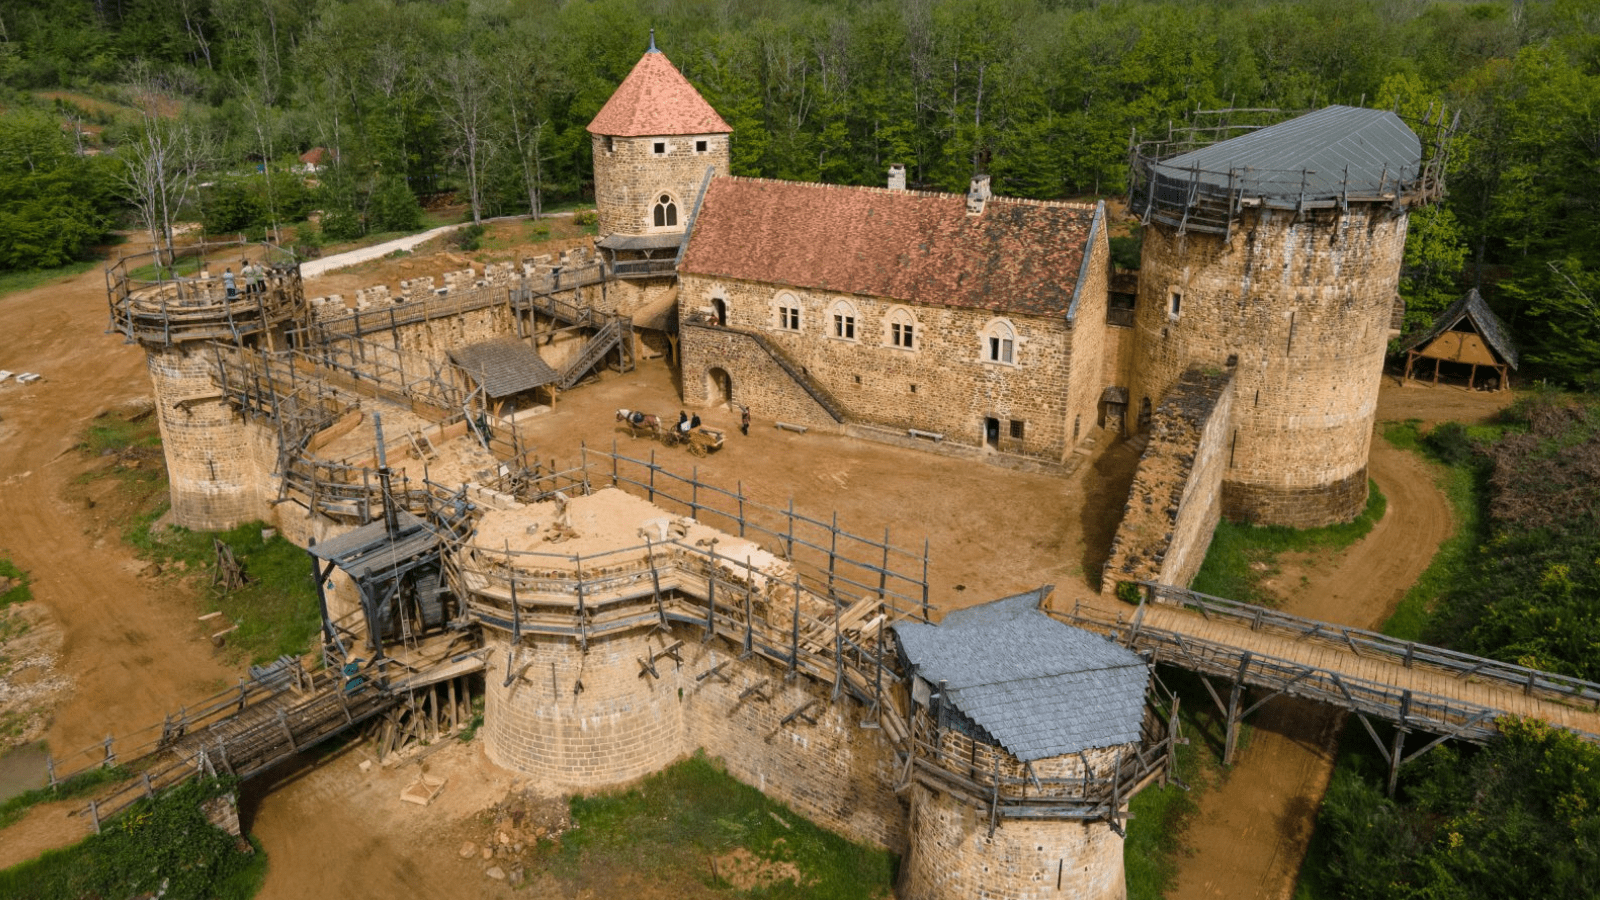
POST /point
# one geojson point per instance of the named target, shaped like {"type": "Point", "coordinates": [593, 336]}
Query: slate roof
{"type": "Point", "coordinates": [1018, 256]}
{"type": "Point", "coordinates": [368, 550]}
{"type": "Point", "coordinates": [1473, 308]}
{"type": "Point", "coordinates": [655, 99]}
{"type": "Point", "coordinates": [503, 366]}
{"type": "Point", "coordinates": [1038, 687]}
{"type": "Point", "coordinates": [1379, 151]}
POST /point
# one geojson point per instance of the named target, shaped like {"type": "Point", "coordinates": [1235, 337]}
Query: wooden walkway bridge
{"type": "Point", "coordinates": [1413, 687]}
{"type": "Point", "coordinates": [286, 709]}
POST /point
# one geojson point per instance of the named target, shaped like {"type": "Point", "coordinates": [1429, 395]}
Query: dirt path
{"type": "Point", "coordinates": [132, 653]}
{"type": "Point", "coordinates": [1251, 833]}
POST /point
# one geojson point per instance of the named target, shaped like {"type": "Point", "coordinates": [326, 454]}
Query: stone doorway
{"type": "Point", "coordinates": [991, 433]}
{"type": "Point", "coordinates": [719, 388]}
{"type": "Point", "coordinates": [720, 306]}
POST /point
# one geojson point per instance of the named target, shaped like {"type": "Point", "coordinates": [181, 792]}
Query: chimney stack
{"type": "Point", "coordinates": [977, 195]}
{"type": "Point", "coordinates": [897, 177]}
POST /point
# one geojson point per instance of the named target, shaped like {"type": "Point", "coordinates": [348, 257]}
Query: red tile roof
{"type": "Point", "coordinates": [655, 99]}
{"type": "Point", "coordinates": [1018, 256]}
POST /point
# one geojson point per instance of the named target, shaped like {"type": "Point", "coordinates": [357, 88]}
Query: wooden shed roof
{"type": "Point", "coordinates": [1473, 308]}
{"type": "Point", "coordinates": [503, 366]}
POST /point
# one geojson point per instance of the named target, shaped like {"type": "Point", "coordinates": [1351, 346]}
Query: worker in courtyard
{"type": "Point", "coordinates": [744, 420]}
{"type": "Point", "coordinates": [683, 421]}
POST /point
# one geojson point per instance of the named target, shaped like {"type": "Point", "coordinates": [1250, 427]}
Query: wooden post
{"type": "Point", "coordinates": [883, 571]}
{"type": "Point", "coordinates": [794, 638]}
{"type": "Point", "coordinates": [740, 487]}
{"type": "Point", "coordinates": [1232, 738]}
{"type": "Point", "coordinates": [789, 543]}
{"type": "Point", "coordinates": [613, 462]}
{"type": "Point", "coordinates": [833, 553]}
{"type": "Point", "coordinates": [694, 492]}
{"type": "Point", "coordinates": [652, 488]}
{"type": "Point", "coordinates": [711, 597]}
{"type": "Point", "coordinates": [925, 579]}
{"type": "Point", "coordinates": [1397, 746]}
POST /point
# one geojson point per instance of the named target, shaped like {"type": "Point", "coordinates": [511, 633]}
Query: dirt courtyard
{"type": "Point", "coordinates": [133, 650]}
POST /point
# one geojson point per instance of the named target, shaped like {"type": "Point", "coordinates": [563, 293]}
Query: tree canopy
{"type": "Point", "coordinates": [490, 98]}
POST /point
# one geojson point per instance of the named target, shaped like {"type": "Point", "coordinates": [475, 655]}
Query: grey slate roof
{"type": "Point", "coordinates": [1038, 687]}
{"type": "Point", "coordinates": [1309, 156]}
{"type": "Point", "coordinates": [641, 241]}
{"type": "Point", "coordinates": [368, 550]}
{"type": "Point", "coordinates": [503, 366]}
{"type": "Point", "coordinates": [1473, 308]}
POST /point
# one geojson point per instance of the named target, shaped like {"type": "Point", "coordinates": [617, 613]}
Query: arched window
{"type": "Point", "coordinates": [900, 329]}
{"type": "Point", "coordinates": [842, 320]}
{"type": "Point", "coordinates": [665, 212]}
{"type": "Point", "coordinates": [1000, 342]}
{"type": "Point", "coordinates": [787, 306]}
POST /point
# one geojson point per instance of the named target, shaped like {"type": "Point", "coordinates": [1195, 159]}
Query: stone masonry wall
{"type": "Point", "coordinates": [1302, 302]}
{"type": "Point", "coordinates": [629, 175]}
{"type": "Point", "coordinates": [942, 385]}
{"type": "Point", "coordinates": [1089, 339]}
{"type": "Point", "coordinates": [953, 855]}
{"type": "Point", "coordinates": [625, 724]}
{"type": "Point", "coordinates": [619, 726]}
{"type": "Point", "coordinates": [210, 461]}
{"type": "Point", "coordinates": [1175, 501]}
{"type": "Point", "coordinates": [757, 381]}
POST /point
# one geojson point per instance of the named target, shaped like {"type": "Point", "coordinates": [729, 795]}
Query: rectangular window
{"type": "Point", "coordinates": [1000, 349]}
{"type": "Point", "coordinates": [789, 318]}
{"type": "Point", "coordinates": [660, 147]}
{"type": "Point", "coordinates": [1174, 304]}
{"type": "Point", "coordinates": [844, 326]}
{"type": "Point", "coordinates": [901, 334]}
{"type": "Point", "coordinates": [700, 146]}
{"type": "Point", "coordinates": [1016, 429]}
{"type": "Point", "coordinates": [611, 144]}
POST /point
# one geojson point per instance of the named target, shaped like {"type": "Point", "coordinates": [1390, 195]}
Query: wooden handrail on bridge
{"type": "Point", "coordinates": [1409, 654]}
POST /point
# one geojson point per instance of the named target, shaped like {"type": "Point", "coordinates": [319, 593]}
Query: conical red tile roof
{"type": "Point", "coordinates": [655, 99]}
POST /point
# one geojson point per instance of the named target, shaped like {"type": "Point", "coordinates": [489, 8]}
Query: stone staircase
{"type": "Point", "coordinates": [817, 392]}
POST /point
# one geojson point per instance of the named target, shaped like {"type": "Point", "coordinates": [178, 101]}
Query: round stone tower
{"type": "Point", "coordinates": [1276, 255]}
{"type": "Point", "coordinates": [654, 141]}
{"type": "Point", "coordinates": [186, 324]}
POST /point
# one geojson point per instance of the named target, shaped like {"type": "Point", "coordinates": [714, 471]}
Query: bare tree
{"type": "Point", "coordinates": [160, 166]}
{"type": "Point", "coordinates": [464, 103]}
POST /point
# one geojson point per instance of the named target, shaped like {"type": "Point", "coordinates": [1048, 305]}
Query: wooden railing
{"type": "Point", "coordinates": [1371, 644]}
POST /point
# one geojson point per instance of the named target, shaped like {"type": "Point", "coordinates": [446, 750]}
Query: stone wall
{"type": "Point", "coordinates": [625, 723]}
{"type": "Point", "coordinates": [210, 459]}
{"type": "Point", "coordinates": [1302, 304]}
{"type": "Point", "coordinates": [943, 384]}
{"type": "Point", "coordinates": [629, 175]}
{"type": "Point", "coordinates": [577, 720]}
{"type": "Point", "coordinates": [1088, 340]}
{"type": "Point", "coordinates": [954, 855]}
{"type": "Point", "coordinates": [756, 380]}
{"type": "Point", "coordinates": [1175, 502]}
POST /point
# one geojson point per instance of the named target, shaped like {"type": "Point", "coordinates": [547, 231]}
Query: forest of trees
{"type": "Point", "coordinates": [489, 98]}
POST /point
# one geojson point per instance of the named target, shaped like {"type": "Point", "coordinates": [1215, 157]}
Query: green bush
{"type": "Point", "coordinates": [1129, 592]}
{"type": "Point", "coordinates": [18, 592]}
{"type": "Point", "coordinates": [467, 238]}
{"type": "Point", "coordinates": [394, 207]}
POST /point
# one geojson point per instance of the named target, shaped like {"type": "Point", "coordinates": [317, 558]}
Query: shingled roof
{"type": "Point", "coordinates": [655, 99]}
{"type": "Point", "coordinates": [1473, 308]}
{"type": "Point", "coordinates": [1036, 686]}
{"type": "Point", "coordinates": [503, 366]}
{"type": "Point", "coordinates": [1017, 256]}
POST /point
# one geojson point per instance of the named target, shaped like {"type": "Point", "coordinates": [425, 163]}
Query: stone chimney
{"type": "Point", "coordinates": [977, 195]}
{"type": "Point", "coordinates": [897, 177]}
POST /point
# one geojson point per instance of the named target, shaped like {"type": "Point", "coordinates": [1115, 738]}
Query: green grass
{"type": "Point", "coordinates": [276, 610]}
{"type": "Point", "coordinates": [12, 282]}
{"type": "Point", "coordinates": [1241, 557]}
{"type": "Point", "coordinates": [667, 828]}
{"type": "Point", "coordinates": [19, 592]}
{"type": "Point", "coordinates": [81, 785]}
{"type": "Point", "coordinates": [1154, 844]}
{"type": "Point", "coordinates": [1461, 487]}
{"type": "Point", "coordinates": [162, 847]}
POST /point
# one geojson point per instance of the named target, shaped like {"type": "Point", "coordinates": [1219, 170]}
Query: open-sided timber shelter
{"type": "Point", "coordinates": [1468, 333]}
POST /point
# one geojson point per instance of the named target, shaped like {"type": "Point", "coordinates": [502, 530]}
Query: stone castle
{"type": "Point", "coordinates": [1246, 354]}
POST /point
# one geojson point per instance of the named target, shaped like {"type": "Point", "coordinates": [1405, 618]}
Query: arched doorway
{"type": "Point", "coordinates": [719, 388]}
{"type": "Point", "coordinates": [721, 307]}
